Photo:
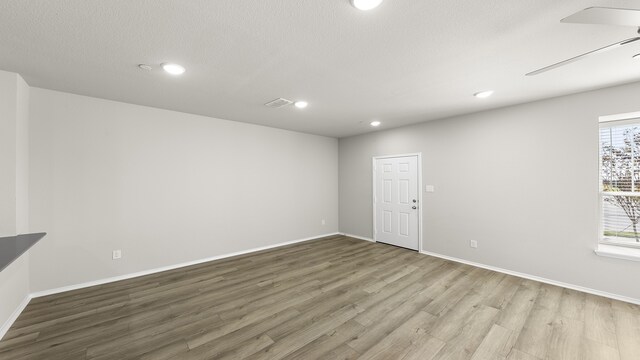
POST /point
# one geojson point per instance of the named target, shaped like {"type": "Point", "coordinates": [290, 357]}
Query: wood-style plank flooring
{"type": "Point", "coordinates": [334, 298]}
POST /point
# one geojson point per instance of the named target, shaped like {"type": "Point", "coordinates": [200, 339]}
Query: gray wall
{"type": "Point", "coordinates": [522, 181]}
{"type": "Point", "coordinates": [14, 179]}
{"type": "Point", "coordinates": [165, 187]}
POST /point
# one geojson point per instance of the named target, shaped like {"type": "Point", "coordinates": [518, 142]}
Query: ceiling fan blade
{"type": "Point", "coordinates": [579, 57]}
{"type": "Point", "coordinates": [606, 16]}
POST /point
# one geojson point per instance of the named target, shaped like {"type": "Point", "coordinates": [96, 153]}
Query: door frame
{"type": "Point", "coordinates": [374, 159]}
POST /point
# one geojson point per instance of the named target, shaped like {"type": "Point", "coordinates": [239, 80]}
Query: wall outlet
{"type": "Point", "coordinates": [324, 222]}
{"type": "Point", "coordinates": [117, 254]}
{"type": "Point", "coordinates": [473, 244]}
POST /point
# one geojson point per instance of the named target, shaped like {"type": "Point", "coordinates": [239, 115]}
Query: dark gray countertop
{"type": "Point", "coordinates": [11, 247]}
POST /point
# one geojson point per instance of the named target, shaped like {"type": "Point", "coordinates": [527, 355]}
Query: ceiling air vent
{"type": "Point", "coordinates": [278, 103]}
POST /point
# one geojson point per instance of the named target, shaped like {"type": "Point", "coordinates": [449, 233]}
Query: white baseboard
{"type": "Point", "coordinates": [169, 267]}
{"type": "Point", "coordinates": [358, 237]}
{"type": "Point", "coordinates": [537, 278]}
{"type": "Point", "coordinates": [7, 324]}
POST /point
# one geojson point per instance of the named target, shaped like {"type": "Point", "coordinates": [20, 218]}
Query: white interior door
{"type": "Point", "coordinates": [396, 201]}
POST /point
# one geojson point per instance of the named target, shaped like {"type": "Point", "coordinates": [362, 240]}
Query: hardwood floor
{"type": "Point", "coordinates": [336, 298]}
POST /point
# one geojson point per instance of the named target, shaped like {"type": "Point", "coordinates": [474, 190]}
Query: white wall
{"type": "Point", "coordinates": [14, 100]}
{"type": "Point", "coordinates": [165, 187]}
{"type": "Point", "coordinates": [22, 156]}
{"type": "Point", "coordinates": [8, 147]}
{"type": "Point", "coordinates": [522, 181]}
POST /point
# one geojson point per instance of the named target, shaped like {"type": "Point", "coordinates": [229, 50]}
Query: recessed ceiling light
{"type": "Point", "coordinates": [636, 56]}
{"type": "Point", "coordinates": [483, 94]}
{"type": "Point", "coordinates": [365, 4]}
{"type": "Point", "coordinates": [173, 69]}
{"type": "Point", "coordinates": [375, 123]}
{"type": "Point", "coordinates": [145, 67]}
{"type": "Point", "coordinates": [301, 104]}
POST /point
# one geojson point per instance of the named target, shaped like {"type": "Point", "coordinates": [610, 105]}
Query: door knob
{"type": "Point", "coordinates": [415, 201]}
{"type": "Point", "coordinates": [413, 207]}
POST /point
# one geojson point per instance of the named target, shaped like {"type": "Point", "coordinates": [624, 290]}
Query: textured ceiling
{"type": "Point", "coordinates": [404, 62]}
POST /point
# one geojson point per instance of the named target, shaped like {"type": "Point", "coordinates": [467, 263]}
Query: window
{"type": "Point", "coordinates": [620, 182]}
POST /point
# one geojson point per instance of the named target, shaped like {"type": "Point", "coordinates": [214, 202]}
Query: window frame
{"type": "Point", "coordinates": [609, 122]}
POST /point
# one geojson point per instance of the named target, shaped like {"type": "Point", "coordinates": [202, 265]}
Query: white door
{"type": "Point", "coordinates": [396, 201]}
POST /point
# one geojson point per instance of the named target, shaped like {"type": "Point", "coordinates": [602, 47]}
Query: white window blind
{"type": "Point", "coordinates": [620, 182]}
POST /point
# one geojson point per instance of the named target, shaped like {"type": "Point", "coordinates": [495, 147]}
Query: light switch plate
{"type": "Point", "coordinates": [430, 188]}
{"type": "Point", "coordinates": [117, 254]}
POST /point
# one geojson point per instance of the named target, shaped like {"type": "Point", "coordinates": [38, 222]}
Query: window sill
{"type": "Point", "coordinates": [618, 252]}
